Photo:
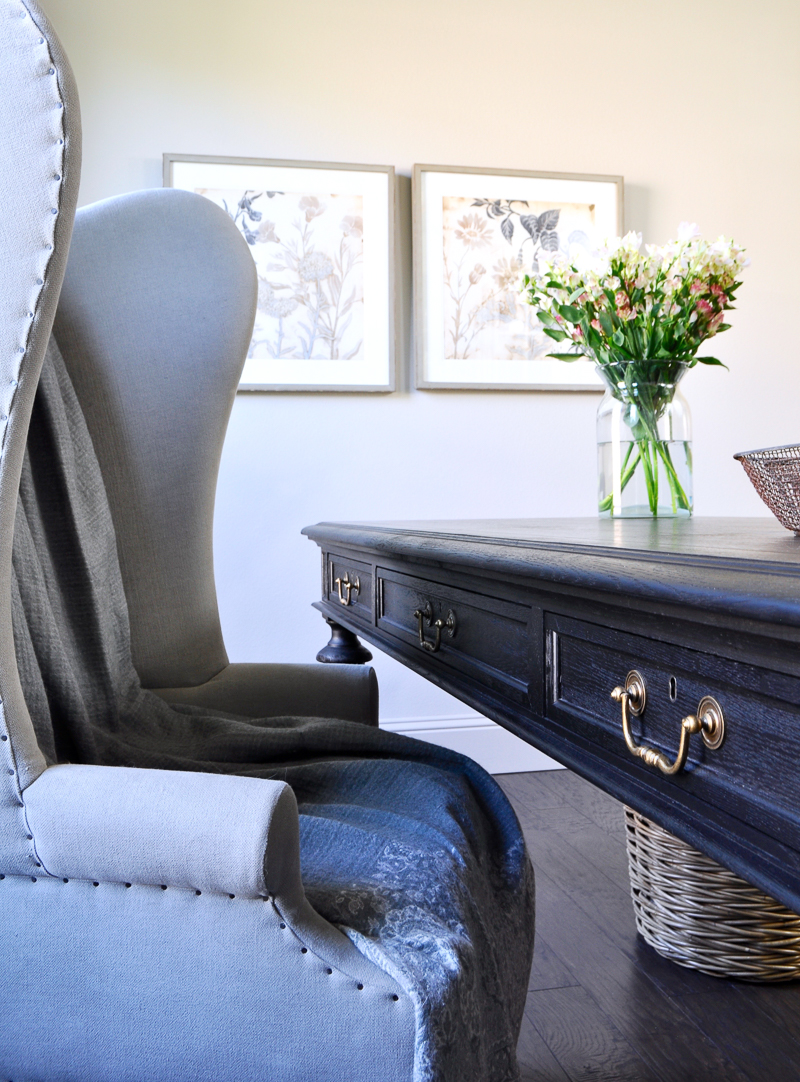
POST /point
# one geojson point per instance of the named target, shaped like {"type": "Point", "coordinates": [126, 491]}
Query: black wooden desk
{"type": "Point", "coordinates": [534, 623]}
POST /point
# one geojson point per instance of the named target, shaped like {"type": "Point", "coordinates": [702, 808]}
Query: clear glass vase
{"type": "Point", "coordinates": [644, 449]}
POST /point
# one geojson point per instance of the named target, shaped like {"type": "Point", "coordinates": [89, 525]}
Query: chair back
{"type": "Point", "coordinates": [39, 177]}
{"type": "Point", "coordinates": [154, 322]}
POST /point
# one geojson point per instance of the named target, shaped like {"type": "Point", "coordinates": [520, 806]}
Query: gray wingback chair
{"type": "Point", "coordinates": [155, 351]}
{"type": "Point", "coordinates": [235, 956]}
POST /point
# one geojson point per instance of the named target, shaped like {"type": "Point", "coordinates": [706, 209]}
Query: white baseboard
{"type": "Point", "coordinates": [496, 749]}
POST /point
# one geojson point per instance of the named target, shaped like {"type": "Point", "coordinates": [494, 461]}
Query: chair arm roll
{"type": "Point", "coordinates": [276, 689]}
{"type": "Point", "coordinates": [174, 828]}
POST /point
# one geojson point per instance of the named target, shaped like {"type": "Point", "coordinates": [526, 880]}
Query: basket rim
{"type": "Point", "coordinates": [760, 450]}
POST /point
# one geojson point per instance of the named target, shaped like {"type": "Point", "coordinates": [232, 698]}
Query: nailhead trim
{"type": "Point", "coordinates": [48, 69]}
{"type": "Point", "coordinates": [282, 924]}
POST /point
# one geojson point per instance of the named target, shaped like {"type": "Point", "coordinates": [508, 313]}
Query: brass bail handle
{"type": "Point", "coordinates": [346, 584]}
{"type": "Point", "coordinates": [425, 616]}
{"type": "Point", "coordinates": [709, 721]}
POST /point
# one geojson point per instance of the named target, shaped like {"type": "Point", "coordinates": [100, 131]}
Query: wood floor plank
{"type": "Point", "coordinates": [521, 791]}
{"type": "Point", "coordinates": [565, 819]}
{"type": "Point", "coordinates": [604, 900]}
{"type": "Point", "coordinates": [654, 1024]}
{"type": "Point", "coordinates": [548, 970]}
{"type": "Point", "coordinates": [583, 1039]}
{"type": "Point", "coordinates": [604, 1006]}
{"type": "Point", "coordinates": [757, 1044]}
{"type": "Point", "coordinates": [605, 851]}
{"type": "Point", "coordinates": [598, 805]}
{"type": "Point", "coordinates": [780, 1001]}
{"type": "Point", "coordinates": [536, 1062]}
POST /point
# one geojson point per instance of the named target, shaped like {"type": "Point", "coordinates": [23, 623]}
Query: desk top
{"type": "Point", "coordinates": [749, 567]}
{"type": "Point", "coordinates": [760, 539]}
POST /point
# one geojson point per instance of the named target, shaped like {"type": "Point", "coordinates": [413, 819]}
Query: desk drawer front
{"type": "Point", "coordinates": [746, 775]}
{"type": "Point", "coordinates": [484, 637]}
{"type": "Point", "coordinates": [348, 583]}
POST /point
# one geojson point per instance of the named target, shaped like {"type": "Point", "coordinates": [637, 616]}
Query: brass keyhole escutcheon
{"type": "Point", "coordinates": [709, 721]}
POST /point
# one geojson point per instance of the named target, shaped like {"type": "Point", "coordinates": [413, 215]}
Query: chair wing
{"type": "Point", "coordinates": [155, 317]}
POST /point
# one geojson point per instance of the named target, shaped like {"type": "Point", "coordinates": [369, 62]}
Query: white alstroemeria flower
{"type": "Point", "coordinates": [723, 249]}
{"type": "Point", "coordinates": [632, 241]}
{"type": "Point", "coordinates": [549, 262]}
{"type": "Point", "coordinates": [590, 264]}
{"type": "Point", "coordinates": [687, 231]}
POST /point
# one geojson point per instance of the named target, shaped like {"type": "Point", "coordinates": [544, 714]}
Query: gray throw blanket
{"type": "Point", "coordinates": [412, 850]}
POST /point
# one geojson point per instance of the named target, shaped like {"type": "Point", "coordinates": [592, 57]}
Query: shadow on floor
{"type": "Point", "coordinates": [603, 1006]}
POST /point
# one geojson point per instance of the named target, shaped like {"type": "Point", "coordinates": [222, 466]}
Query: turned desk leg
{"type": "Point", "coordinates": [344, 647]}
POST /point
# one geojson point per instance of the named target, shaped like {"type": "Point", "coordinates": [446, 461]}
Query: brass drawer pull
{"type": "Point", "coordinates": [709, 721]}
{"type": "Point", "coordinates": [426, 616]}
{"type": "Point", "coordinates": [346, 584]}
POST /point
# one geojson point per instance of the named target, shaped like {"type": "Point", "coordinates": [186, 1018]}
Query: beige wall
{"type": "Point", "coordinates": [695, 103]}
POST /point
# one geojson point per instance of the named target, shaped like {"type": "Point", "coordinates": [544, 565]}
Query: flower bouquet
{"type": "Point", "coordinates": [641, 317]}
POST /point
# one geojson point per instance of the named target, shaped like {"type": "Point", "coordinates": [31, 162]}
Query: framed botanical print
{"type": "Point", "coordinates": [322, 238]}
{"type": "Point", "coordinates": [476, 233]}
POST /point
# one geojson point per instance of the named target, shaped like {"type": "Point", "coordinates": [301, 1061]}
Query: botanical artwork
{"type": "Point", "coordinates": [308, 251]}
{"type": "Point", "coordinates": [489, 244]}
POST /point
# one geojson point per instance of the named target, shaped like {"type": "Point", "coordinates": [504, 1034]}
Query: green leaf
{"type": "Point", "coordinates": [568, 356]}
{"type": "Point", "coordinates": [546, 319]}
{"type": "Point", "coordinates": [618, 338]}
{"type": "Point", "coordinates": [712, 360]}
{"type": "Point", "coordinates": [593, 340]}
{"type": "Point", "coordinates": [555, 334]}
{"type": "Point", "coordinates": [574, 315]}
{"type": "Point", "coordinates": [606, 322]}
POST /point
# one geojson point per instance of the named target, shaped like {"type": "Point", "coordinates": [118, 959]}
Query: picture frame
{"type": "Point", "coordinates": [322, 235]}
{"type": "Point", "coordinates": [476, 232]}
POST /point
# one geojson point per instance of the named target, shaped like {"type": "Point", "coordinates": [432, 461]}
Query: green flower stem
{"type": "Point", "coordinates": [625, 475]}
{"type": "Point", "coordinates": [648, 451]}
{"type": "Point", "coordinates": [650, 476]}
{"type": "Point", "coordinates": [672, 476]}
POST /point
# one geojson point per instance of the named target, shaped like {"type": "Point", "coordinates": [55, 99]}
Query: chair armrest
{"type": "Point", "coordinates": [273, 690]}
{"type": "Point", "coordinates": [166, 827]}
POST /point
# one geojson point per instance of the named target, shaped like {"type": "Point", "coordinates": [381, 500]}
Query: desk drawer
{"type": "Point", "coordinates": [349, 583]}
{"type": "Point", "coordinates": [746, 776]}
{"type": "Point", "coordinates": [484, 637]}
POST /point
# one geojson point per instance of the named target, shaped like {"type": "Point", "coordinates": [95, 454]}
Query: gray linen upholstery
{"type": "Point", "coordinates": [177, 828]}
{"type": "Point", "coordinates": [270, 691]}
{"type": "Point", "coordinates": [39, 177]}
{"type": "Point", "coordinates": [139, 984]}
{"type": "Point", "coordinates": [154, 321]}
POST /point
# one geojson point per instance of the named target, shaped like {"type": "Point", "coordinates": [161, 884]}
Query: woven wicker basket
{"type": "Point", "coordinates": [700, 915]}
{"type": "Point", "coordinates": [775, 473]}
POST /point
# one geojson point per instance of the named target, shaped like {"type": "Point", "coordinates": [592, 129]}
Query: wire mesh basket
{"type": "Point", "coordinates": [697, 913]}
{"type": "Point", "coordinates": [775, 473]}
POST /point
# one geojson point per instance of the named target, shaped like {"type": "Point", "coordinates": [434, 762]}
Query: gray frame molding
{"type": "Point", "coordinates": [420, 300]}
{"type": "Point", "coordinates": [390, 386]}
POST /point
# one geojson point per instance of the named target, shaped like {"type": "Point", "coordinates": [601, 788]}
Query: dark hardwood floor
{"type": "Point", "coordinates": [603, 1006]}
